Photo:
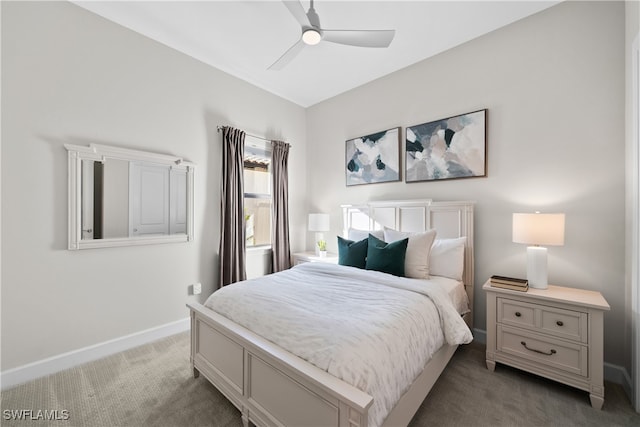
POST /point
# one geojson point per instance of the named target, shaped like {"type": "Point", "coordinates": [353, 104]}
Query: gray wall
{"type": "Point", "coordinates": [553, 85]}
{"type": "Point", "coordinates": [69, 76]}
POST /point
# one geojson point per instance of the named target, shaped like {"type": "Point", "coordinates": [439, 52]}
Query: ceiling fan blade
{"type": "Point", "coordinates": [291, 53]}
{"type": "Point", "coordinates": [296, 9]}
{"type": "Point", "coordinates": [362, 38]}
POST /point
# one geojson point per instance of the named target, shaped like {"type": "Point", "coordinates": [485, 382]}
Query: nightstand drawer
{"type": "Point", "coordinates": [545, 319]}
{"type": "Point", "coordinates": [564, 323]}
{"type": "Point", "coordinates": [516, 313]}
{"type": "Point", "coordinates": [565, 356]}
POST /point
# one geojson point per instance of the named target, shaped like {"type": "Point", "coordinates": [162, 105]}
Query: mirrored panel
{"type": "Point", "coordinates": [120, 197]}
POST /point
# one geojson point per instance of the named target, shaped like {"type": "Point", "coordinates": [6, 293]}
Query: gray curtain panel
{"type": "Point", "coordinates": [232, 228]}
{"type": "Point", "coordinates": [280, 206]}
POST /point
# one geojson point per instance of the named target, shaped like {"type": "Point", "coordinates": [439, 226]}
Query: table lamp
{"type": "Point", "coordinates": [535, 230]}
{"type": "Point", "coordinates": [319, 222]}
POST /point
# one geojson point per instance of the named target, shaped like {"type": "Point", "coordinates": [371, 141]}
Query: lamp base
{"type": "Point", "coordinates": [537, 267]}
{"type": "Point", "coordinates": [319, 237]}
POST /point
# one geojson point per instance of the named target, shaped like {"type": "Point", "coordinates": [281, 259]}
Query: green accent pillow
{"type": "Point", "coordinates": [352, 254]}
{"type": "Point", "coordinates": [386, 257]}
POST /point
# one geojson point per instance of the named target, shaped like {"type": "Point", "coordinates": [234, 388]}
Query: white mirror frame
{"type": "Point", "coordinates": [98, 152]}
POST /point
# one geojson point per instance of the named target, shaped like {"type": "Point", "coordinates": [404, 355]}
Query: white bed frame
{"type": "Point", "coordinates": [272, 387]}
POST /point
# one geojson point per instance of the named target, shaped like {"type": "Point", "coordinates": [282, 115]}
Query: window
{"type": "Point", "coordinates": [257, 191]}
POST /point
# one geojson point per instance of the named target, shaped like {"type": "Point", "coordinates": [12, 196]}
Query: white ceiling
{"type": "Point", "coordinates": [244, 38]}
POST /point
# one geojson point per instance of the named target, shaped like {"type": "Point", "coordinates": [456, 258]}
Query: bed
{"type": "Point", "coordinates": [271, 386]}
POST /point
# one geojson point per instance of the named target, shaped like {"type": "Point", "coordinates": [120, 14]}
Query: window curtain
{"type": "Point", "coordinates": [232, 228]}
{"type": "Point", "coordinates": [281, 252]}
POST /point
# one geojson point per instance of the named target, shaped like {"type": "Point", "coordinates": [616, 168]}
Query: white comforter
{"type": "Point", "coordinates": [373, 330]}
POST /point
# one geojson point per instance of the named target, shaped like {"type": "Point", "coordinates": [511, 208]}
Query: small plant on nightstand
{"type": "Point", "coordinates": [322, 247]}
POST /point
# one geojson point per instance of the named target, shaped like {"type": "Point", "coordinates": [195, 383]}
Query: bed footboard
{"type": "Point", "coordinates": [270, 386]}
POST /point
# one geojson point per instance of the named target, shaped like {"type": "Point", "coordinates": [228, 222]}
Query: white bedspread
{"type": "Point", "coordinates": [373, 330]}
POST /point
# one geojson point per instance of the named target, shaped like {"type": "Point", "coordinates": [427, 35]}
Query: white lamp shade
{"type": "Point", "coordinates": [319, 222]}
{"type": "Point", "coordinates": [538, 229]}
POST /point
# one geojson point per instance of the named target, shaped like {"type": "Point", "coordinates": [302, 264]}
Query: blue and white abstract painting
{"type": "Point", "coordinates": [447, 149]}
{"type": "Point", "coordinates": [373, 158]}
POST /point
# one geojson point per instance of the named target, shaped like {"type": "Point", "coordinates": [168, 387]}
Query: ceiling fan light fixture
{"type": "Point", "coordinates": [311, 36]}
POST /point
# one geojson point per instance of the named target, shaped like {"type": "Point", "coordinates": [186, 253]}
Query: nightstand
{"type": "Point", "coordinates": [556, 333]}
{"type": "Point", "coordinates": [300, 257]}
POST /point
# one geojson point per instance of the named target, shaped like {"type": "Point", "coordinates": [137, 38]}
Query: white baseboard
{"type": "Point", "coordinates": [51, 365]}
{"type": "Point", "coordinates": [614, 373]}
{"type": "Point", "coordinates": [619, 375]}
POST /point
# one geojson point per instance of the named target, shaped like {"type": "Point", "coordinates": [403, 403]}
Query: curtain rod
{"type": "Point", "coordinates": [219, 128]}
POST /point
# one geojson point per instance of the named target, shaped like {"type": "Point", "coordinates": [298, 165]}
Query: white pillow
{"type": "Point", "coordinates": [447, 258]}
{"type": "Point", "coordinates": [416, 261]}
{"type": "Point", "coordinates": [357, 235]}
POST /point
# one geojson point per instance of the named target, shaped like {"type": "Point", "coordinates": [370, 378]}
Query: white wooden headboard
{"type": "Point", "coordinates": [450, 219]}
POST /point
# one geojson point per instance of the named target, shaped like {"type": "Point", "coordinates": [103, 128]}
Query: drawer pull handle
{"type": "Point", "coordinates": [559, 323]}
{"type": "Point", "coordinates": [551, 352]}
{"type": "Point", "coordinates": [518, 314]}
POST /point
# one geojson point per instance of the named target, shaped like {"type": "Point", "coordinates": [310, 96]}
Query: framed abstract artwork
{"type": "Point", "coordinates": [450, 148]}
{"type": "Point", "coordinates": [373, 158]}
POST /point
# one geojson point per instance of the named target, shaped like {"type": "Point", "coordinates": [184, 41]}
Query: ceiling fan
{"type": "Point", "coordinates": [313, 34]}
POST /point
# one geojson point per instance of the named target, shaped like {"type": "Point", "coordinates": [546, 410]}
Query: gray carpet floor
{"type": "Point", "coordinates": [153, 385]}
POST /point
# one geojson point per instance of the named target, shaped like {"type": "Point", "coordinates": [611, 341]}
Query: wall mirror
{"type": "Point", "coordinates": [123, 197]}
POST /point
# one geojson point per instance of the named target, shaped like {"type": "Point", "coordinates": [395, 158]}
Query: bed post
{"type": "Point", "coordinates": [194, 336]}
{"type": "Point", "coordinates": [350, 417]}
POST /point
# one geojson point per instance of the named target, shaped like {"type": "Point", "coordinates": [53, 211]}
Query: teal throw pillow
{"type": "Point", "coordinates": [386, 257]}
{"type": "Point", "coordinates": [352, 254]}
